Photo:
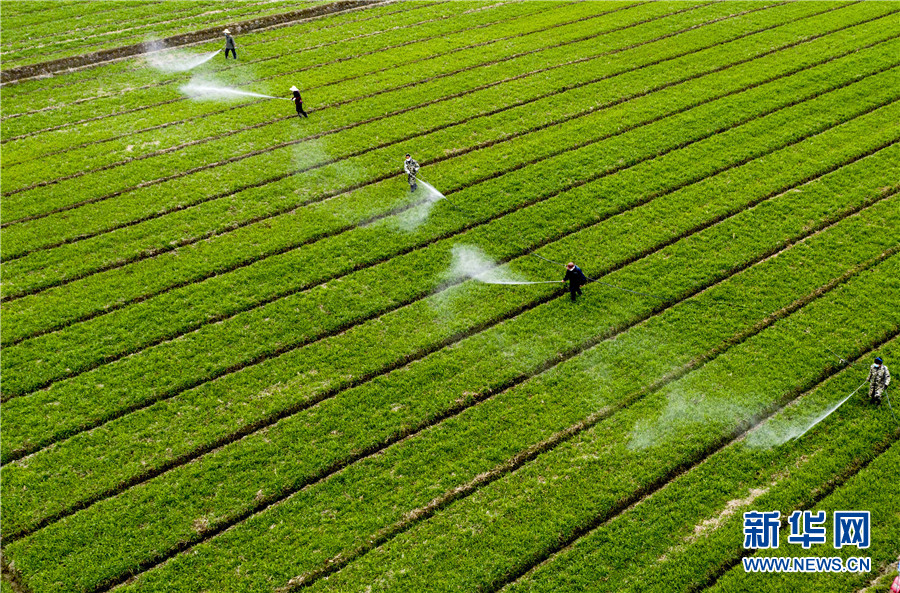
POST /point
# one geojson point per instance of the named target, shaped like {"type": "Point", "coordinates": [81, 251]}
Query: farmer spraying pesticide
{"type": "Point", "coordinates": [879, 378]}
{"type": "Point", "coordinates": [229, 44]}
{"type": "Point", "coordinates": [411, 167]}
{"type": "Point", "coordinates": [576, 279]}
{"type": "Point", "coordinates": [298, 101]}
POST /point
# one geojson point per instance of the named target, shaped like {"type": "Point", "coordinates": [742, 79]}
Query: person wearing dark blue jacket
{"type": "Point", "coordinates": [576, 279]}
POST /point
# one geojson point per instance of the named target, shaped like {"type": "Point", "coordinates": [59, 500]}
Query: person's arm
{"type": "Point", "coordinates": [887, 377]}
{"type": "Point", "coordinates": [871, 370]}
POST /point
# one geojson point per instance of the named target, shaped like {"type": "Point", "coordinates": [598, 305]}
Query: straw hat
{"type": "Point", "coordinates": [227, 32]}
{"type": "Point", "coordinates": [293, 88]}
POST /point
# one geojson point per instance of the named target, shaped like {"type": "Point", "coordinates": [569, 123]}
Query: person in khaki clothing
{"type": "Point", "coordinates": [879, 378]}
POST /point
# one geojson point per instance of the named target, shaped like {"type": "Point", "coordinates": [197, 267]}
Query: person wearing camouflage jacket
{"type": "Point", "coordinates": [411, 167]}
{"type": "Point", "coordinates": [879, 378]}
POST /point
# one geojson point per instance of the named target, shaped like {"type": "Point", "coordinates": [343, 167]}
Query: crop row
{"type": "Point", "coordinates": [90, 158]}
{"type": "Point", "coordinates": [346, 27]}
{"type": "Point", "coordinates": [627, 142]}
{"type": "Point", "coordinates": [505, 528]}
{"type": "Point", "coordinates": [870, 489]}
{"type": "Point", "coordinates": [165, 23]}
{"type": "Point", "coordinates": [683, 534]}
{"type": "Point", "coordinates": [103, 384]}
{"type": "Point", "coordinates": [38, 30]}
{"type": "Point", "coordinates": [162, 143]}
{"type": "Point", "coordinates": [153, 88]}
{"type": "Point", "coordinates": [105, 293]}
{"type": "Point", "coordinates": [83, 452]}
{"type": "Point", "coordinates": [244, 197]}
{"type": "Point", "coordinates": [326, 61]}
{"type": "Point", "coordinates": [44, 18]}
{"type": "Point", "coordinates": [256, 204]}
{"type": "Point", "coordinates": [133, 74]}
{"type": "Point", "coordinates": [501, 358]}
{"type": "Point", "coordinates": [45, 32]}
{"type": "Point", "coordinates": [332, 120]}
{"type": "Point", "coordinates": [141, 108]}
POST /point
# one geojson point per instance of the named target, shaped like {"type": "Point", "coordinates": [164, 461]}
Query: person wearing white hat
{"type": "Point", "coordinates": [229, 44]}
{"type": "Point", "coordinates": [298, 101]}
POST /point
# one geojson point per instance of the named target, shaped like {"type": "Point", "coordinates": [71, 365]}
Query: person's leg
{"type": "Point", "coordinates": [573, 290]}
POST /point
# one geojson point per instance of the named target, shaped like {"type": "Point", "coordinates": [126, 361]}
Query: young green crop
{"type": "Point", "coordinates": [231, 121]}
{"type": "Point", "coordinates": [546, 345]}
{"type": "Point", "coordinates": [312, 80]}
{"type": "Point", "coordinates": [211, 384]}
{"type": "Point", "coordinates": [88, 335]}
{"type": "Point", "coordinates": [27, 315]}
{"type": "Point", "coordinates": [234, 132]}
{"type": "Point", "coordinates": [477, 349]}
{"type": "Point", "coordinates": [221, 212]}
{"type": "Point", "coordinates": [323, 63]}
{"type": "Point", "coordinates": [872, 489]}
{"type": "Point", "coordinates": [684, 533]}
{"type": "Point", "coordinates": [27, 204]}
{"type": "Point", "coordinates": [282, 517]}
{"type": "Point", "coordinates": [246, 343]}
{"type": "Point", "coordinates": [243, 204]}
{"type": "Point", "coordinates": [133, 75]}
{"type": "Point", "coordinates": [143, 21]}
{"type": "Point", "coordinates": [685, 204]}
{"type": "Point", "coordinates": [508, 526]}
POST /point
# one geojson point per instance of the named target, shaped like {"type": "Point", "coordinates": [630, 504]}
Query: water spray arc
{"type": "Point", "coordinates": [829, 412]}
{"type": "Point", "coordinates": [180, 61]}
{"type": "Point", "coordinates": [207, 91]}
{"type": "Point", "coordinates": [531, 253]}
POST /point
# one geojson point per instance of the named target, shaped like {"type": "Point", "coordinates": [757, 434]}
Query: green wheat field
{"type": "Point", "coordinates": [240, 355]}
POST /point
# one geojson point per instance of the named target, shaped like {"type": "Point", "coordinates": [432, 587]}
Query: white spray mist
{"type": "Point", "coordinates": [210, 91]}
{"type": "Point", "coordinates": [175, 61]}
{"type": "Point", "coordinates": [410, 220]}
{"type": "Point", "coordinates": [471, 262]}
